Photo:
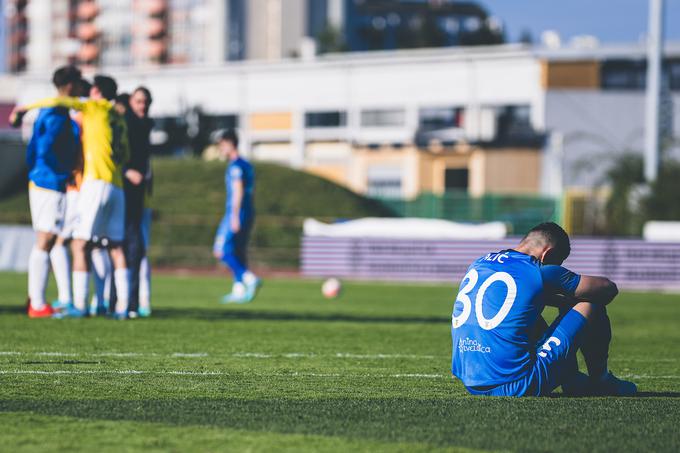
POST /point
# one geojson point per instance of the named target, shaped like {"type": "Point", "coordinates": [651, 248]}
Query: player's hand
{"type": "Point", "coordinates": [235, 224]}
{"type": "Point", "coordinates": [134, 177]}
{"type": "Point", "coordinates": [218, 254]}
{"type": "Point", "coordinates": [16, 117]}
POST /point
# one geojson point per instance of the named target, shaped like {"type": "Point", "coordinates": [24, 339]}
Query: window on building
{"type": "Point", "coordinates": [456, 179]}
{"type": "Point", "coordinates": [383, 118]}
{"type": "Point", "coordinates": [673, 73]}
{"type": "Point", "coordinates": [430, 119]}
{"type": "Point", "coordinates": [325, 119]}
{"type": "Point", "coordinates": [384, 181]}
{"type": "Point", "coordinates": [513, 125]}
{"type": "Point", "coordinates": [623, 74]}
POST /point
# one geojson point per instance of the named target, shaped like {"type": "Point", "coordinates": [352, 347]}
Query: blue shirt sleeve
{"type": "Point", "coordinates": [560, 278]}
{"type": "Point", "coordinates": [235, 173]}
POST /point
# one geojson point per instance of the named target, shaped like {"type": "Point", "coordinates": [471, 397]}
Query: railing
{"type": "Point", "coordinates": [520, 213]}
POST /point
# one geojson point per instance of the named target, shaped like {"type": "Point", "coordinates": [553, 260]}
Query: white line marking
{"type": "Point", "coordinates": [216, 373]}
{"type": "Point", "coordinates": [255, 355]}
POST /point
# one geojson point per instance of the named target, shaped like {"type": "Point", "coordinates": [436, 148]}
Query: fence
{"type": "Point", "coordinates": [519, 212]}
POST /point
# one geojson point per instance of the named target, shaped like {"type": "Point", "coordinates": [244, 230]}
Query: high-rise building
{"type": "Point", "coordinates": [275, 28]}
{"type": "Point", "coordinates": [397, 24]}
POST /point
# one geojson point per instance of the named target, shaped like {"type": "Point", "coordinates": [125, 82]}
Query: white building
{"type": "Point", "coordinates": [511, 119]}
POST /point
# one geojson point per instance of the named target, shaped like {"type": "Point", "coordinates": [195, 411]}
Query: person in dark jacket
{"type": "Point", "coordinates": [139, 129]}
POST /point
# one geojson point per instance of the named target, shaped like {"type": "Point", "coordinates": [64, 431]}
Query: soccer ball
{"type": "Point", "coordinates": [331, 288]}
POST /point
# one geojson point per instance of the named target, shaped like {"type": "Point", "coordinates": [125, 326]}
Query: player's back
{"type": "Point", "coordinates": [53, 148]}
{"type": "Point", "coordinates": [105, 146]}
{"type": "Point", "coordinates": [497, 305]}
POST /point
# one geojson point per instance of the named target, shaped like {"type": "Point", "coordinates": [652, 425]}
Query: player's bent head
{"type": "Point", "coordinates": [551, 236]}
{"type": "Point", "coordinates": [105, 86]}
{"type": "Point", "coordinates": [65, 76]}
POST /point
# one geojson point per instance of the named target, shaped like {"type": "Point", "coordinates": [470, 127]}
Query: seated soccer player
{"type": "Point", "coordinates": [497, 321]}
{"type": "Point", "coordinates": [231, 240]}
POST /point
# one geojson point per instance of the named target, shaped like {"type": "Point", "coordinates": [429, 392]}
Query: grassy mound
{"type": "Point", "coordinates": [188, 202]}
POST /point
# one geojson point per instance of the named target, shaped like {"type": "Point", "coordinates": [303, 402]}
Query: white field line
{"type": "Point", "coordinates": [215, 373]}
{"type": "Point", "coordinates": [247, 355]}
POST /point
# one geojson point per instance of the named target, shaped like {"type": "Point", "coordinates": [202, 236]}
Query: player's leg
{"type": "Point", "coordinates": [61, 266]}
{"type": "Point", "coordinates": [555, 355]}
{"type": "Point", "coordinates": [101, 272]}
{"type": "Point", "coordinates": [133, 244]}
{"type": "Point", "coordinates": [59, 256]}
{"type": "Point", "coordinates": [87, 228]}
{"type": "Point", "coordinates": [47, 211]}
{"type": "Point", "coordinates": [145, 267]}
{"type": "Point", "coordinates": [231, 260]}
{"type": "Point", "coordinates": [134, 251]}
{"type": "Point", "coordinates": [250, 280]}
{"type": "Point", "coordinates": [595, 350]}
{"type": "Point", "coordinates": [115, 231]}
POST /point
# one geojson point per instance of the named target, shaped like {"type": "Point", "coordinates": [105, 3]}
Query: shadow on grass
{"type": "Point", "coordinates": [263, 315]}
{"type": "Point", "coordinates": [486, 423]}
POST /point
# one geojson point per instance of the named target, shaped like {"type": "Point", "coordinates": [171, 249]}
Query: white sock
{"type": "Point", "coordinates": [101, 265]}
{"type": "Point", "coordinates": [122, 282]}
{"type": "Point", "coordinates": [81, 286]}
{"type": "Point", "coordinates": [249, 278]}
{"type": "Point", "coordinates": [38, 270]}
{"type": "Point", "coordinates": [145, 284]}
{"type": "Point", "coordinates": [62, 272]}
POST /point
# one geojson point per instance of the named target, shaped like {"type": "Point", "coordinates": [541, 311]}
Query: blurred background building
{"type": "Point", "coordinates": [390, 98]}
{"type": "Point", "coordinates": [111, 33]}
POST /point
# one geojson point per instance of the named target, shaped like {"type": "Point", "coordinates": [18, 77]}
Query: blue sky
{"type": "Point", "coordinates": [609, 20]}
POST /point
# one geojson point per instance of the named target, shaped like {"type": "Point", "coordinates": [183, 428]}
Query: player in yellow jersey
{"type": "Point", "coordinates": [101, 204]}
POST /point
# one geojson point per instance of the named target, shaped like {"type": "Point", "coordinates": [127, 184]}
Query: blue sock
{"type": "Point", "coordinates": [236, 267]}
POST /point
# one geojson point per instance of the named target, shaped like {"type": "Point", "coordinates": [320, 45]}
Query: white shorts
{"type": "Point", "coordinates": [71, 214]}
{"type": "Point", "coordinates": [47, 209]}
{"type": "Point", "coordinates": [101, 211]}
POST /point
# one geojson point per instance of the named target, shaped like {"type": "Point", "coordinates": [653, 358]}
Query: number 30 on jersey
{"type": "Point", "coordinates": [463, 297]}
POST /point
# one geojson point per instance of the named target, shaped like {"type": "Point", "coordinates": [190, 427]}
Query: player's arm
{"type": "Point", "coordinates": [568, 287]}
{"type": "Point", "coordinates": [60, 101]}
{"type": "Point", "coordinates": [236, 197]}
{"type": "Point", "coordinates": [598, 290]}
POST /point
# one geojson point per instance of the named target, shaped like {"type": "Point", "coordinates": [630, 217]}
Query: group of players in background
{"type": "Point", "coordinates": [90, 185]}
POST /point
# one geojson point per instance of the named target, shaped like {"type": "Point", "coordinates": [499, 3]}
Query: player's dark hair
{"type": "Point", "coordinates": [555, 236]}
{"type": "Point", "coordinates": [123, 98]}
{"type": "Point", "coordinates": [146, 92]}
{"type": "Point", "coordinates": [83, 88]}
{"type": "Point", "coordinates": [228, 135]}
{"type": "Point", "coordinates": [65, 75]}
{"type": "Point", "coordinates": [106, 86]}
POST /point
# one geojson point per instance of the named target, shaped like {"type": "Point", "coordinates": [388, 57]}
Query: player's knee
{"type": "Point", "coordinates": [586, 309]}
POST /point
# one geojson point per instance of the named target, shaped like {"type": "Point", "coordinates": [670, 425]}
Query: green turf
{"type": "Point", "coordinates": [292, 371]}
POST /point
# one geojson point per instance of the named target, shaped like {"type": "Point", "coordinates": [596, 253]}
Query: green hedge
{"type": "Point", "coordinates": [188, 202]}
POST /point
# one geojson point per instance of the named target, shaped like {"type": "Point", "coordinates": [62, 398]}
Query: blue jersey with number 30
{"type": "Point", "coordinates": [499, 301]}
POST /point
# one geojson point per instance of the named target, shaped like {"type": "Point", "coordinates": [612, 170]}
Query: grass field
{"type": "Point", "coordinates": [292, 371]}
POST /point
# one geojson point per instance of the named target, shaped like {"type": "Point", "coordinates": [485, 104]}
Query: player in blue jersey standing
{"type": "Point", "coordinates": [51, 157]}
{"type": "Point", "coordinates": [501, 344]}
{"type": "Point", "coordinates": [231, 240]}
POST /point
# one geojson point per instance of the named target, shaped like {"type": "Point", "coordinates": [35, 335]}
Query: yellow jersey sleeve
{"type": "Point", "coordinates": [60, 101]}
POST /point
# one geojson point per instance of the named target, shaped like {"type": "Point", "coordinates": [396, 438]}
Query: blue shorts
{"type": "Point", "coordinates": [553, 364]}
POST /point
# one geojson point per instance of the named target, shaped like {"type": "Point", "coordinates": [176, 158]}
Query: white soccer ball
{"type": "Point", "coordinates": [331, 288]}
